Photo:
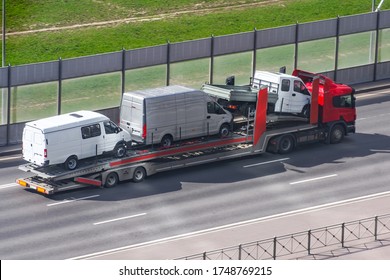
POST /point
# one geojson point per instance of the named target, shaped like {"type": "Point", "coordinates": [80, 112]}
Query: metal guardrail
{"type": "Point", "coordinates": [304, 243]}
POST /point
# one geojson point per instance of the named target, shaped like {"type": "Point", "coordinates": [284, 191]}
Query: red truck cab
{"type": "Point", "coordinates": [336, 101]}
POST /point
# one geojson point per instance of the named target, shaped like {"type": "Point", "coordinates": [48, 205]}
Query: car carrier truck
{"type": "Point", "coordinates": [288, 95]}
{"type": "Point", "coordinates": [332, 116]}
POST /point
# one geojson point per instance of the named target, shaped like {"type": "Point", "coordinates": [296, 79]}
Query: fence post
{"type": "Point", "coordinates": [376, 44]}
{"type": "Point", "coordinates": [211, 73]}
{"type": "Point", "coordinates": [123, 80]}
{"type": "Point", "coordinates": [309, 242]}
{"type": "Point", "coordinates": [296, 46]}
{"type": "Point", "coordinates": [254, 57]}
{"type": "Point", "coordinates": [9, 103]}
{"type": "Point", "coordinates": [376, 228]}
{"type": "Point", "coordinates": [168, 63]}
{"type": "Point", "coordinates": [336, 55]}
{"type": "Point", "coordinates": [274, 253]}
{"type": "Point", "coordinates": [342, 234]}
{"type": "Point", "coordinates": [239, 251]}
{"type": "Point", "coordinates": [59, 90]}
{"type": "Point", "coordinates": [204, 255]}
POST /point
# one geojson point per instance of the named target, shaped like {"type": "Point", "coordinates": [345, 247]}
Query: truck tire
{"type": "Point", "coordinates": [286, 144]}
{"type": "Point", "coordinates": [112, 180]}
{"type": "Point", "coordinates": [336, 134]}
{"type": "Point", "coordinates": [139, 174]}
{"type": "Point", "coordinates": [166, 141]}
{"type": "Point", "coordinates": [120, 150]}
{"type": "Point", "coordinates": [224, 130]}
{"type": "Point", "coordinates": [71, 163]}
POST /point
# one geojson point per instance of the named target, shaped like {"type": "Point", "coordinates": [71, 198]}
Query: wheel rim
{"type": "Point", "coordinates": [139, 175]}
{"type": "Point", "coordinates": [224, 131]}
{"type": "Point", "coordinates": [286, 144]}
{"type": "Point", "coordinates": [121, 151]}
{"type": "Point", "coordinates": [72, 163]}
{"type": "Point", "coordinates": [166, 142]}
{"type": "Point", "coordinates": [337, 135]}
{"type": "Point", "coordinates": [111, 180]}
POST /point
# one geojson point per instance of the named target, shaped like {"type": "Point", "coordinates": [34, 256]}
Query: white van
{"type": "Point", "coordinates": [70, 137]}
{"type": "Point", "coordinates": [166, 114]}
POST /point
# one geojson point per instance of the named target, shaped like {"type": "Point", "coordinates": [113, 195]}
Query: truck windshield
{"type": "Point", "coordinates": [344, 101]}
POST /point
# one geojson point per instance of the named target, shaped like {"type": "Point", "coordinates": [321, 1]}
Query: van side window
{"type": "Point", "coordinates": [91, 131]}
{"type": "Point", "coordinates": [214, 108]}
{"type": "Point", "coordinates": [285, 85]}
{"type": "Point", "coordinates": [110, 127]}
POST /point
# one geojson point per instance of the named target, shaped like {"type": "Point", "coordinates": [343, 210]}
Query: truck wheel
{"type": "Point", "coordinates": [224, 130]}
{"type": "Point", "coordinates": [71, 163]}
{"type": "Point", "coordinates": [111, 180]}
{"type": "Point", "coordinates": [139, 174]}
{"type": "Point", "coordinates": [166, 141]}
{"type": "Point", "coordinates": [286, 144]}
{"type": "Point", "coordinates": [120, 150]}
{"type": "Point", "coordinates": [336, 134]}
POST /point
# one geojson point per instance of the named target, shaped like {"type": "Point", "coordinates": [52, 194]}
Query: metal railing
{"type": "Point", "coordinates": [304, 243]}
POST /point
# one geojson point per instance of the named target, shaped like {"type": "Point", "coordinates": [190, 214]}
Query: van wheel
{"type": "Point", "coordinates": [306, 111]}
{"type": "Point", "coordinates": [120, 151]}
{"type": "Point", "coordinates": [166, 141]}
{"type": "Point", "coordinates": [286, 144]}
{"type": "Point", "coordinates": [111, 180]}
{"type": "Point", "coordinates": [224, 130]}
{"type": "Point", "coordinates": [71, 163]}
{"type": "Point", "coordinates": [139, 174]}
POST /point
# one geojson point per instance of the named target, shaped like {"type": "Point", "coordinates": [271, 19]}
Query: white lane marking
{"type": "Point", "coordinates": [313, 179]}
{"type": "Point", "coordinates": [119, 219]}
{"type": "Point", "coordinates": [266, 162]}
{"type": "Point", "coordinates": [239, 224]}
{"type": "Point", "coordinates": [6, 186]}
{"type": "Point", "coordinates": [8, 158]}
{"type": "Point", "coordinates": [72, 200]}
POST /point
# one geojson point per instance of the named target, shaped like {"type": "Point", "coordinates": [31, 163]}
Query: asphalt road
{"type": "Point", "coordinates": [90, 220]}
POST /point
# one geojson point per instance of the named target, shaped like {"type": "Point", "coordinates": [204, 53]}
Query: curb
{"type": "Point", "coordinates": [364, 88]}
{"type": "Point", "coordinates": [10, 150]}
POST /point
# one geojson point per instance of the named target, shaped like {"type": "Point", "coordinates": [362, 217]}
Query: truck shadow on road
{"type": "Point", "coordinates": [359, 145]}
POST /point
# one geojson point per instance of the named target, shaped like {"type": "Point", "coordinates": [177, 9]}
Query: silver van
{"type": "Point", "coordinates": [167, 114]}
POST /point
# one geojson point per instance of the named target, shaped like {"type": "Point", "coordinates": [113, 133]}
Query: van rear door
{"type": "Point", "coordinates": [132, 117]}
{"type": "Point", "coordinates": [34, 148]}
